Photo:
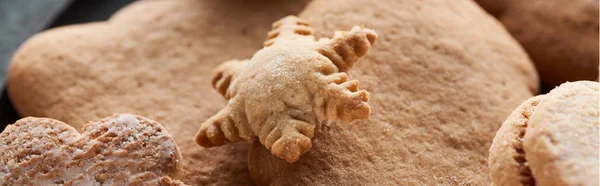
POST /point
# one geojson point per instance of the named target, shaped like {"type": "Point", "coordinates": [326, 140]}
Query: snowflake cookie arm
{"type": "Point", "coordinates": [288, 28]}
{"type": "Point", "coordinates": [346, 47]}
{"type": "Point", "coordinates": [287, 137]}
{"type": "Point", "coordinates": [225, 74]}
{"type": "Point", "coordinates": [229, 125]}
{"type": "Point", "coordinates": [342, 98]}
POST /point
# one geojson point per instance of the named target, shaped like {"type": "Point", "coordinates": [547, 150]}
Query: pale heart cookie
{"type": "Point", "coordinates": [119, 150]}
{"type": "Point", "coordinates": [560, 36]}
{"type": "Point", "coordinates": [288, 88]}
{"type": "Point", "coordinates": [154, 59]}
{"type": "Point", "coordinates": [550, 139]}
{"type": "Point", "coordinates": [441, 78]}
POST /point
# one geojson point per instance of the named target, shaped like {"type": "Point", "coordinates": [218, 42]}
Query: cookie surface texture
{"type": "Point", "coordinates": [157, 65]}
{"type": "Point", "coordinates": [442, 77]}
{"type": "Point", "coordinates": [288, 88]}
{"type": "Point", "coordinates": [560, 36]}
{"type": "Point", "coordinates": [550, 139]}
{"type": "Point", "coordinates": [119, 150]}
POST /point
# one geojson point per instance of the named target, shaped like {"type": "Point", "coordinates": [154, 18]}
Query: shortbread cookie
{"type": "Point", "coordinates": [288, 88]}
{"type": "Point", "coordinates": [507, 161]}
{"type": "Point", "coordinates": [550, 139]}
{"type": "Point", "coordinates": [153, 58]}
{"type": "Point", "coordinates": [119, 150]}
{"type": "Point", "coordinates": [560, 36]}
{"type": "Point", "coordinates": [441, 78]}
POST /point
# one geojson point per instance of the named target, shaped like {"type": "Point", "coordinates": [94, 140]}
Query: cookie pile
{"type": "Point", "coordinates": [439, 79]}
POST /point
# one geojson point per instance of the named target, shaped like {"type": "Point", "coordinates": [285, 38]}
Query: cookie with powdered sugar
{"type": "Point", "coordinates": [550, 139]}
{"type": "Point", "coordinates": [441, 77]}
{"type": "Point", "coordinates": [122, 149]}
{"type": "Point", "coordinates": [288, 88]}
{"type": "Point", "coordinates": [151, 58]}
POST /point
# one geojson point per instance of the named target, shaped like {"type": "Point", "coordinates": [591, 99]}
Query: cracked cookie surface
{"type": "Point", "coordinates": [119, 150]}
{"type": "Point", "coordinates": [288, 88]}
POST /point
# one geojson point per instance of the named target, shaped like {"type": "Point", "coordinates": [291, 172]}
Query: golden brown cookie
{"type": "Point", "coordinates": [119, 150]}
{"type": "Point", "coordinates": [153, 58]}
{"type": "Point", "coordinates": [288, 88]}
{"type": "Point", "coordinates": [560, 36]}
{"type": "Point", "coordinates": [550, 139]}
{"type": "Point", "coordinates": [507, 161]}
{"type": "Point", "coordinates": [442, 77]}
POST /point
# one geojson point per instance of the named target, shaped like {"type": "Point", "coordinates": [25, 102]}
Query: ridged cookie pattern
{"type": "Point", "coordinates": [288, 88]}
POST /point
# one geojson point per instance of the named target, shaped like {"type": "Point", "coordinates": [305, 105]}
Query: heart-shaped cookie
{"type": "Point", "coordinates": [154, 59]}
{"type": "Point", "coordinates": [122, 149]}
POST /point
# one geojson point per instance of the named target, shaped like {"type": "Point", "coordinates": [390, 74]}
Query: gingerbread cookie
{"type": "Point", "coordinates": [153, 58]}
{"type": "Point", "coordinates": [560, 36]}
{"type": "Point", "coordinates": [288, 88]}
{"type": "Point", "coordinates": [441, 78]}
{"type": "Point", "coordinates": [550, 139]}
{"type": "Point", "coordinates": [119, 150]}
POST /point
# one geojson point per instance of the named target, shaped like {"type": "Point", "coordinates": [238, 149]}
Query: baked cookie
{"type": "Point", "coordinates": [560, 36]}
{"type": "Point", "coordinates": [154, 59]}
{"type": "Point", "coordinates": [119, 150]}
{"type": "Point", "coordinates": [288, 88]}
{"type": "Point", "coordinates": [550, 139]}
{"type": "Point", "coordinates": [441, 78]}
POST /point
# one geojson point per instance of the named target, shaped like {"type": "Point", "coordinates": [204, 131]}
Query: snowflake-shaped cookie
{"type": "Point", "coordinates": [287, 88]}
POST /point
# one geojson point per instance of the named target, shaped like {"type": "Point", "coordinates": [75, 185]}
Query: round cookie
{"type": "Point", "coordinates": [560, 36]}
{"type": "Point", "coordinates": [152, 58]}
{"type": "Point", "coordinates": [550, 139]}
{"type": "Point", "coordinates": [442, 76]}
{"type": "Point", "coordinates": [507, 158]}
{"type": "Point", "coordinates": [119, 150]}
